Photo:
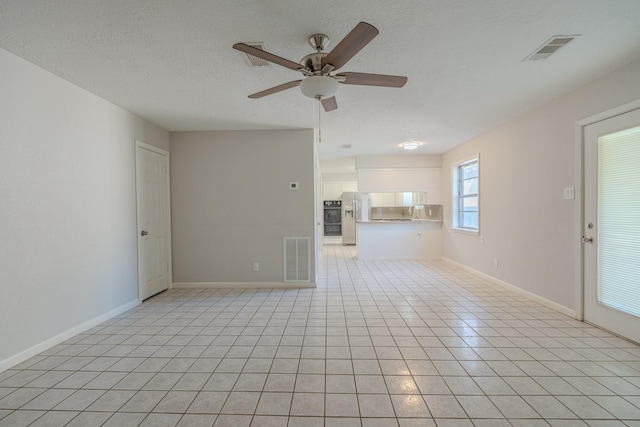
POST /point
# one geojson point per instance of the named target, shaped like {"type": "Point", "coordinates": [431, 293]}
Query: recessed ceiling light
{"type": "Point", "coordinates": [410, 145]}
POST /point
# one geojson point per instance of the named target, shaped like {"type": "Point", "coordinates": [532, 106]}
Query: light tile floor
{"type": "Point", "coordinates": [387, 343]}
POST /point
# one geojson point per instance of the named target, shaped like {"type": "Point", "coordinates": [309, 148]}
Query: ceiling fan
{"type": "Point", "coordinates": [319, 82]}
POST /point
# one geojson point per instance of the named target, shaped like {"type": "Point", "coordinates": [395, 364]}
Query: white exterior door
{"type": "Point", "coordinates": [152, 182]}
{"type": "Point", "coordinates": [612, 224]}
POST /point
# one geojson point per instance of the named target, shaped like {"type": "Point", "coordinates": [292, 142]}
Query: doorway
{"type": "Point", "coordinates": [611, 224]}
{"type": "Point", "coordinates": [154, 242]}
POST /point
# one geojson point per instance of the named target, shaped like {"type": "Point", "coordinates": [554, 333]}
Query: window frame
{"type": "Point", "coordinates": [457, 191]}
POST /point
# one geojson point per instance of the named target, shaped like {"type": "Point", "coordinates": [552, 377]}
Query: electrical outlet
{"type": "Point", "coordinates": [256, 266]}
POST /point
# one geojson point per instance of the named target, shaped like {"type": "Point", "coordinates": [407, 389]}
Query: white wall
{"type": "Point", "coordinates": [524, 166]}
{"type": "Point", "coordinates": [411, 160]}
{"type": "Point", "coordinates": [67, 210]}
{"type": "Point", "coordinates": [231, 206]}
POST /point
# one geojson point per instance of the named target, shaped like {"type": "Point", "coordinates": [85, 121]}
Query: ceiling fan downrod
{"type": "Point", "coordinates": [319, 42]}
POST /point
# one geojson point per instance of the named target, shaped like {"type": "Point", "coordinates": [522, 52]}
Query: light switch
{"type": "Point", "coordinates": [294, 186]}
{"type": "Point", "coordinates": [569, 193]}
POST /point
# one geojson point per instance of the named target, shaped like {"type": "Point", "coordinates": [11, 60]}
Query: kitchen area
{"type": "Point", "coordinates": [388, 225]}
{"type": "Point", "coordinates": [390, 208]}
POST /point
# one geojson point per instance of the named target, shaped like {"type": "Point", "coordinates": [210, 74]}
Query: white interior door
{"type": "Point", "coordinates": [152, 181]}
{"type": "Point", "coordinates": [612, 224]}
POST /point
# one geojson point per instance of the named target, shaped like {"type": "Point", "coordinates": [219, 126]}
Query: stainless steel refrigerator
{"type": "Point", "coordinates": [349, 206]}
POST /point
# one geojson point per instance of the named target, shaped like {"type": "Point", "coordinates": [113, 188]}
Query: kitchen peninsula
{"type": "Point", "coordinates": [399, 239]}
{"type": "Point", "coordinates": [400, 232]}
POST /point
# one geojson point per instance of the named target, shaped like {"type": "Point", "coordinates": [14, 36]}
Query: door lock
{"type": "Point", "coordinates": [587, 239]}
{"type": "Point", "coordinates": [144, 233]}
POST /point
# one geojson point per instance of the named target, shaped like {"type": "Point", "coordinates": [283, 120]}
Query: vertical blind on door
{"type": "Point", "coordinates": [618, 237]}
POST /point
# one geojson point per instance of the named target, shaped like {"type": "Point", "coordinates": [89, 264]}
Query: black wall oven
{"type": "Point", "coordinates": [333, 217]}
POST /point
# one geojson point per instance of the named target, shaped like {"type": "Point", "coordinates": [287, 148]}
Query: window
{"type": "Point", "coordinates": [465, 194]}
{"type": "Point", "coordinates": [617, 212]}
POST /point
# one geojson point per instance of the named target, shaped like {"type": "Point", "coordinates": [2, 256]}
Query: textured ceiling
{"type": "Point", "coordinates": [171, 62]}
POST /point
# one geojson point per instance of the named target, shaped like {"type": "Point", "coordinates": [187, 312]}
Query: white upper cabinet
{"type": "Point", "coordinates": [334, 190]}
{"type": "Point", "coordinates": [377, 199]}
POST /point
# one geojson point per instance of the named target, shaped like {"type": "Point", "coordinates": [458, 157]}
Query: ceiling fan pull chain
{"type": "Point", "coordinates": [319, 122]}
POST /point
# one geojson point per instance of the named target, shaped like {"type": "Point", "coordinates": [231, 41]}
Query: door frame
{"type": "Point", "coordinates": [318, 211]}
{"type": "Point", "coordinates": [579, 207]}
{"type": "Point", "coordinates": [166, 155]}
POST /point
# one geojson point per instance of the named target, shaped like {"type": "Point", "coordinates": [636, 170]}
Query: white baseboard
{"type": "Point", "coordinates": [398, 258]}
{"type": "Point", "coordinates": [537, 298]}
{"type": "Point", "coordinates": [242, 285]}
{"type": "Point", "coordinates": [47, 344]}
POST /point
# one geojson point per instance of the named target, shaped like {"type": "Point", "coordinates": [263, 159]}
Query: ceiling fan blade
{"type": "Point", "coordinates": [275, 89]}
{"type": "Point", "coordinates": [251, 50]}
{"type": "Point", "coordinates": [372, 79]}
{"type": "Point", "coordinates": [329, 104]}
{"type": "Point", "coordinates": [358, 38]}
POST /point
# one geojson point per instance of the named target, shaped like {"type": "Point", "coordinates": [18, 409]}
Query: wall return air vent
{"type": "Point", "coordinates": [297, 259]}
{"type": "Point", "coordinates": [550, 47]}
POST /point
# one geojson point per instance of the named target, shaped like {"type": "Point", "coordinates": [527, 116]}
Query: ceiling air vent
{"type": "Point", "coordinates": [346, 146]}
{"type": "Point", "coordinates": [550, 47]}
{"type": "Point", "coordinates": [254, 61]}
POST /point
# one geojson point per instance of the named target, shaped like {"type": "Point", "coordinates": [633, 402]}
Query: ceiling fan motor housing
{"type": "Point", "coordinates": [313, 62]}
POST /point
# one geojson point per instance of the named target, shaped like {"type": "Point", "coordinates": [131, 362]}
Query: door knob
{"type": "Point", "coordinates": [587, 239]}
{"type": "Point", "coordinates": [144, 233]}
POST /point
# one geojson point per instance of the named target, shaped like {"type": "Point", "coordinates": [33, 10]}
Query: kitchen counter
{"type": "Point", "coordinates": [399, 221]}
{"type": "Point", "coordinates": [399, 239]}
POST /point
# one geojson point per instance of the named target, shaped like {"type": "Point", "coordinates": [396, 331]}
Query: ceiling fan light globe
{"type": "Point", "coordinates": [319, 87]}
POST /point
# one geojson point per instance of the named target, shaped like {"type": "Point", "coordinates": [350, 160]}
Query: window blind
{"type": "Point", "coordinates": [618, 237]}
